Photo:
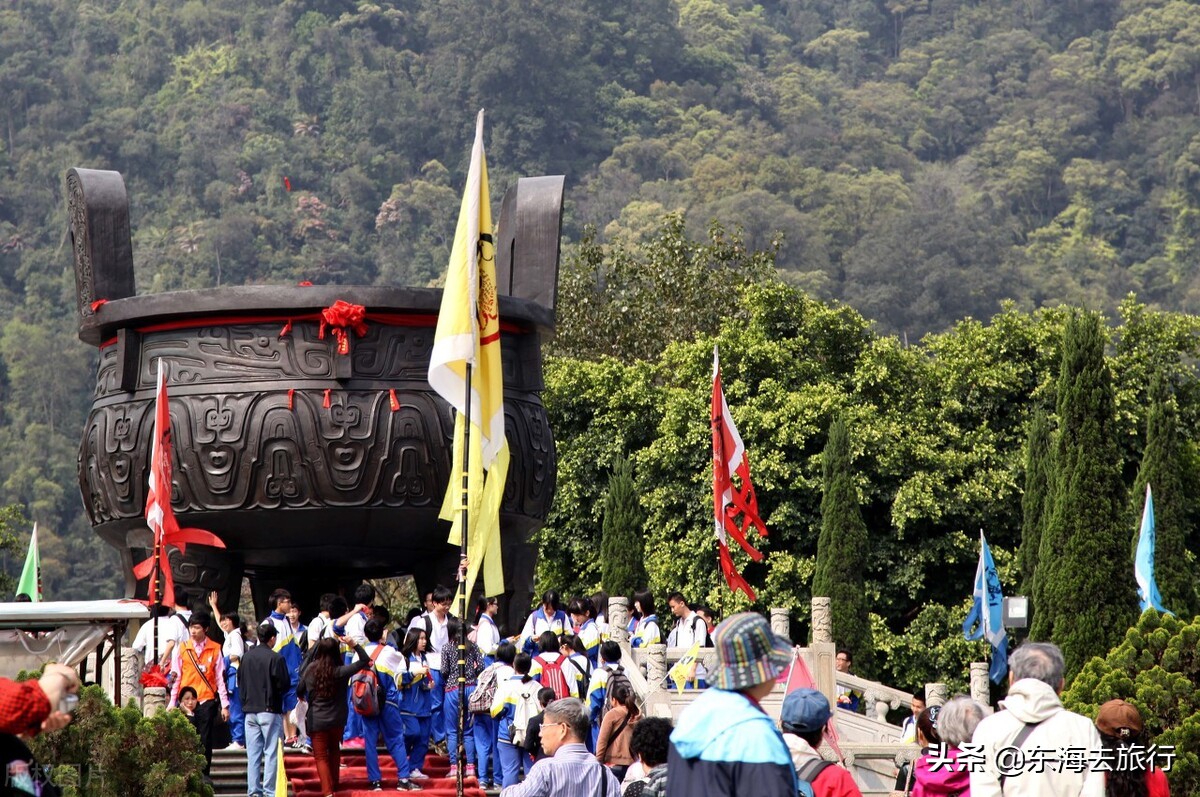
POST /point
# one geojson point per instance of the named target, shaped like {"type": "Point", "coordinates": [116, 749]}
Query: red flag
{"type": "Point", "coordinates": [730, 501]}
{"type": "Point", "coordinates": [160, 517]}
{"type": "Point", "coordinates": [798, 676]}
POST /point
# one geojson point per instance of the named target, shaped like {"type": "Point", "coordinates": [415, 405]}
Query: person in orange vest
{"type": "Point", "coordinates": [198, 663]}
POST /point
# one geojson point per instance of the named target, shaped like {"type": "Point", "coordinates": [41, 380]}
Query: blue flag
{"type": "Point", "coordinates": [986, 618]}
{"type": "Point", "coordinates": [1143, 560]}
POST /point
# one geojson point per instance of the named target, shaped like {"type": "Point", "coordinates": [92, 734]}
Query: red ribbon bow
{"type": "Point", "coordinates": [341, 316]}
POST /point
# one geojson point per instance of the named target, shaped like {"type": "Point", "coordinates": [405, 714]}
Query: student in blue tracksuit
{"type": "Point", "coordinates": [724, 744]}
{"type": "Point", "coordinates": [487, 752]}
{"type": "Point", "coordinates": [416, 700]}
{"type": "Point", "coordinates": [547, 617]}
{"type": "Point", "coordinates": [388, 664]}
{"type": "Point", "coordinates": [647, 632]}
{"type": "Point", "coordinates": [288, 647]}
{"type": "Point", "coordinates": [517, 688]}
{"type": "Point", "coordinates": [582, 615]}
{"type": "Point", "coordinates": [597, 689]}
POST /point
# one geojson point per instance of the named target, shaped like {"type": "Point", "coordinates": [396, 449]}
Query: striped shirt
{"type": "Point", "coordinates": [571, 772]}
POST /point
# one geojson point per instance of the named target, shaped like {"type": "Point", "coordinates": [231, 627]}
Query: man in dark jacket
{"type": "Point", "coordinates": [264, 679]}
{"type": "Point", "coordinates": [725, 745]}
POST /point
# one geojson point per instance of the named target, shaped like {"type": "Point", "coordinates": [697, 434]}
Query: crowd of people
{"type": "Point", "coordinates": [551, 712]}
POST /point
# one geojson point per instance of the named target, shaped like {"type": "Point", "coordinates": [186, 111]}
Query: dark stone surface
{"type": "Point", "coordinates": [307, 497]}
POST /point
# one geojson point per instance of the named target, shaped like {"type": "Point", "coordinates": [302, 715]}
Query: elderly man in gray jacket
{"type": "Point", "coordinates": [1035, 747]}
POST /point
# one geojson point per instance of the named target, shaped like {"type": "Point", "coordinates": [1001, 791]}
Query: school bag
{"type": "Point", "coordinates": [481, 699]}
{"type": "Point", "coordinates": [527, 707]}
{"type": "Point", "coordinates": [554, 678]}
{"type": "Point", "coordinates": [365, 694]}
{"type": "Point", "coordinates": [616, 676]}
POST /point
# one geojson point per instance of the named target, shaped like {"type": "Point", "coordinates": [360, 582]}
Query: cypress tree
{"type": "Point", "coordinates": [1085, 587]}
{"type": "Point", "coordinates": [1034, 501]}
{"type": "Point", "coordinates": [1164, 464]}
{"type": "Point", "coordinates": [842, 549]}
{"type": "Point", "coordinates": [623, 567]}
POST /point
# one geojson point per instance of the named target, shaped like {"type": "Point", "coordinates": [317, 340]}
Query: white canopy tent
{"type": "Point", "coordinates": [32, 634]}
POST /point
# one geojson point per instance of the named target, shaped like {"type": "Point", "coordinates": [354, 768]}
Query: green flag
{"type": "Point", "coordinates": [31, 574]}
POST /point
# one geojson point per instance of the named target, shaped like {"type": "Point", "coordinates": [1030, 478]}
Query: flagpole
{"type": "Point", "coordinates": [460, 754]}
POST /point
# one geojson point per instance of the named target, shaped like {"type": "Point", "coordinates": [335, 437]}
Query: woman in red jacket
{"type": "Point", "coordinates": [29, 707]}
{"type": "Point", "coordinates": [1120, 725]}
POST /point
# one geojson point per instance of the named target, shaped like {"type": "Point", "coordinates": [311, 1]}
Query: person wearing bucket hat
{"type": "Point", "coordinates": [725, 744]}
{"type": "Point", "coordinates": [1121, 727]}
{"type": "Point", "coordinates": [804, 716]}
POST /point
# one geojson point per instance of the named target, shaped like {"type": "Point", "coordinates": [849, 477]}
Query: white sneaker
{"type": "Point", "coordinates": [417, 774]}
{"type": "Point", "coordinates": [235, 746]}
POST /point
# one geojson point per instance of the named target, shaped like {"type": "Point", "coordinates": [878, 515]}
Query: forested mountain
{"type": "Point", "coordinates": [922, 160]}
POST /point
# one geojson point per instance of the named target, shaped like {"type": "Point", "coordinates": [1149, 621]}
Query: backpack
{"type": "Point", "coordinates": [585, 675]}
{"type": "Point", "coordinates": [553, 677]}
{"type": "Point", "coordinates": [364, 688]}
{"type": "Point", "coordinates": [527, 707]}
{"type": "Point", "coordinates": [615, 676]}
{"type": "Point", "coordinates": [809, 773]}
{"type": "Point", "coordinates": [481, 699]}
{"type": "Point", "coordinates": [706, 641]}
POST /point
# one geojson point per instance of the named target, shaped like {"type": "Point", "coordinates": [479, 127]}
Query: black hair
{"type": "Point", "coordinates": [506, 652]}
{"type": "Point", "coordinates": [651, 740]}
{"type": "Point", "coordinates": [373, 630]}
{"type": "Point", "coordinates": [548, 642]}
{"type": "Point", "coordinates": [325, 602]}
{"type": "Point", "coordinates": [1125, 780]}
{"type": "Point", "coordinates": [200, 618]}
{"type": "Point", "coordinates": [481, 606]}
{"type": "Point", "coordinates": [279, 595]}
{"type": "Point", "coordinates": [644, 599]}
{"type": "Point", "coordinates": [927, 725]}
{"type": "Point", "coordinates": [364, 593]}
{"type": "Point", "coordinates": [380, 612]}
{"type": "Point", "coordinates": [521, 664]}
{"type": "Point", "coordinates": [266, 632]}
{"type": "Point", "coordinates": [546, 696]}
{"type": "Point", "coordinates": [846, 652]}
{"type": "Point", "coordinates": [338, 607]}
{"type": "Point", "coordinates": [610, 651]}
{"type": "Point", "coordinates": [157, 610]}
{"type": "Point", "coordinates": [411, 640]}
{"type": "Point", "coordinates": [550, 598]}
{"type": "Point", "coordinates": [185, 690]}
{"type": "Point", "coordinates": [600, 604]}
{"type": "Point", "coordinates": [677, 597]}
{"type": "Point", "coordinates": [236, 619]}
{"type": "Point", "coordinates": [412, 614]}
{"type": "Point", "coordinates": [453, 628]}
{"type": "Point", "coordinates": [581, 606]}
{"type": "Point", "coordinates": [442, 594]}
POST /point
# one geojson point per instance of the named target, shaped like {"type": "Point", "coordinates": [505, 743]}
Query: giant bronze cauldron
{"type": "Point", "coordinates": [316, 468]}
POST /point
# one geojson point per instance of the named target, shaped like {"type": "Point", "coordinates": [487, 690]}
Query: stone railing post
{"type": "Point", "coordinates": [981, 693]}
{"type": "Point", "coordinates": [656, 666]}
{"type": "Point", "coordinates": [131, 686]}
{"type": "Point", "coordinates": [154, 700]}
{"type": "Point", "coordinates": [936, 694]}
{"type": "Point", "coordinates": [822, 620]}
{"type": "Point", "coordinates": [781, 624]}
{"type": "Point", "coordinates": [618, 619]}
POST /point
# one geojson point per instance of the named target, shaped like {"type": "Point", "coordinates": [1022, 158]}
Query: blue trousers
{"type": "Point", "coordinates": [416, 739]}
{"type": "Point", "coordinates": [487, 759]}
{"type": "Point", "coordinates": [354, 723]}
{"type": "Point", "coordinates": [450, 711]}
{"type": "Point", "coordinates": [391, 725]}
{"type": "Point", "coordinates": [262, 733]}
{"type": "Point", "coordinates": [512, 759]}
{"type": "Point", "coordinates": [236, 717]}
{"type": "Point", "coordinates": [438, 694]}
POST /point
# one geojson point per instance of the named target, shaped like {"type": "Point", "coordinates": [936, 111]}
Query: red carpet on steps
{"type": "Point", "coordinates": [302, 774]}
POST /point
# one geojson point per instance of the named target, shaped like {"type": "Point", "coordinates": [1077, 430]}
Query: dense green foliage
{"type": "Point", "coordinates": [1084, 590]}
{"type": "Point", "coordinates": [1165, 466]}
{"type": "Point", "coordinates": [1033, 500]}
{"type": "Point", "coordinates": [116, 752]}
{"type": "Point", "coordinates": [622, 557]}
{"type": "Point", "coordinates": [1156, 667]}
{"type": "Point", "coordinates": [843, 549]}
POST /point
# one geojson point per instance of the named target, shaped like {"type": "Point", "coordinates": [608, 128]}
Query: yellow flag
{"type": "Point", "coordinates": [685, 669]}
{"type": "Point", "coordinates": [281, 782]}
{"type": "Point", "coordinates": [468, 332]}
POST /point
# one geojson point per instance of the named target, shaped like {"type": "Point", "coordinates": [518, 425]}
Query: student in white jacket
{"type": "Point", "coordinates": [1034, 720]}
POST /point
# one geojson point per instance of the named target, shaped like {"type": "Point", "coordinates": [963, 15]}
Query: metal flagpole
{"type": "Point", "coordinates": [460, 754]}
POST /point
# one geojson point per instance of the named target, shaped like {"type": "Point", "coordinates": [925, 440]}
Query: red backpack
{"type": "Point", "coordinates": [553, 677]}
{"type": "Point", "coordinates": [365, 694]}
